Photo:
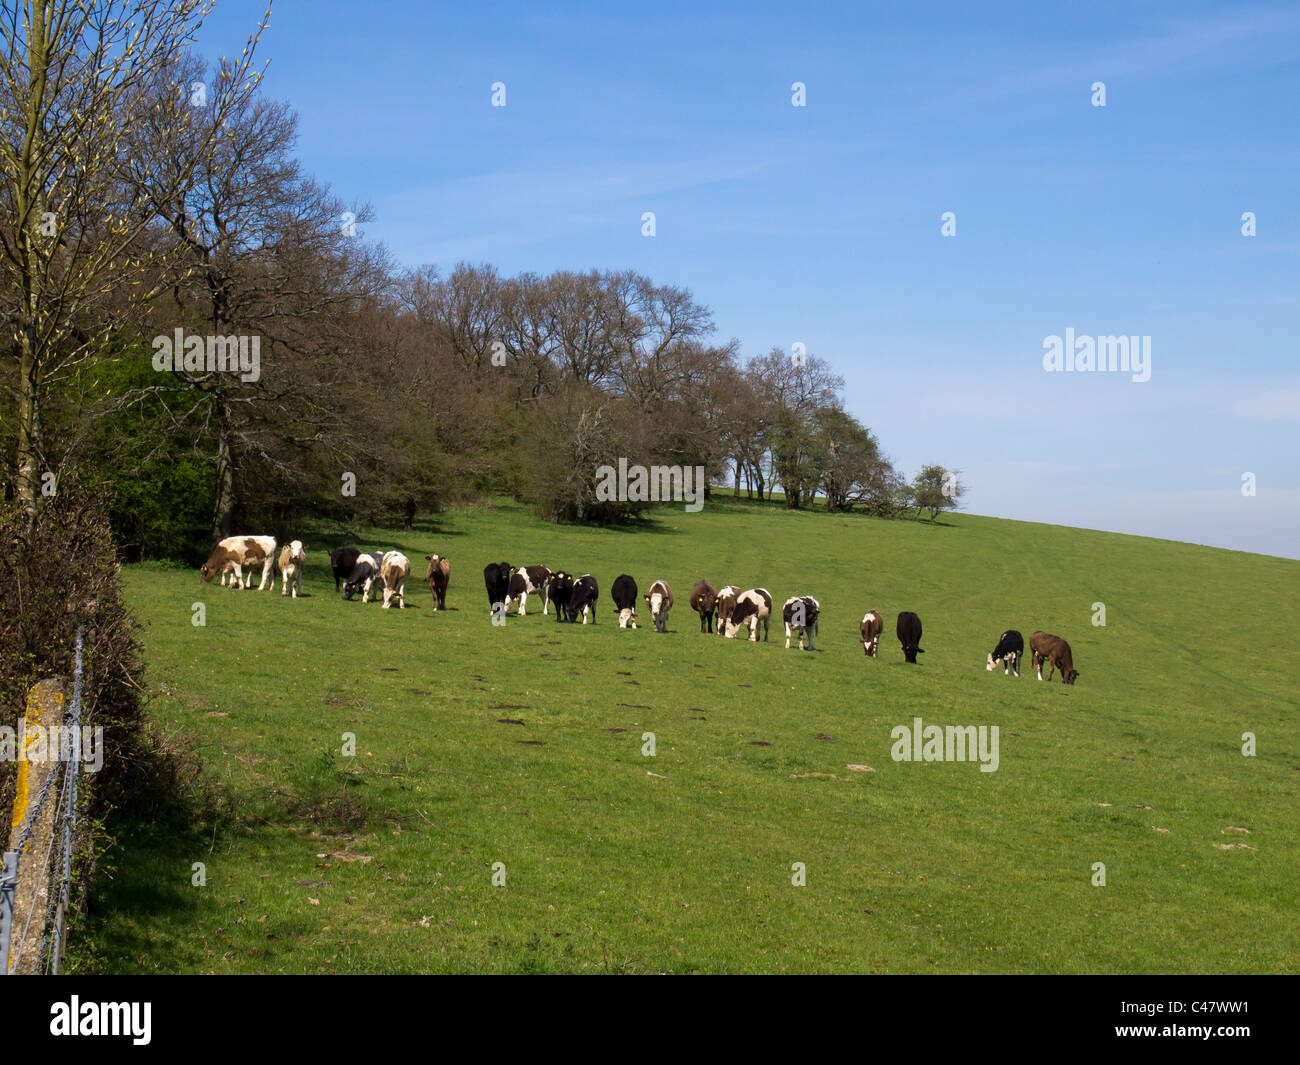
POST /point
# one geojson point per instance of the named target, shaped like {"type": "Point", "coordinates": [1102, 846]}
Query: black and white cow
{"type": "Point", "coordinates": [367, 570]}
{"type": "Point", "coordinates": [341, 562]}
{"type": "Point", "coordinates": [753, 608]}
{"type": "Point", "coordinates": [582, 600]}
{"type": "Point", "coordinates": [909, 635]}
{"type": "Point", "coordinates": [624, 595]}
{"type": "Point", "coordinates": [529, 580]}
{"type": "Point", "coordinates": [1011, 645]}
{"type": "Point", "coordinates": [496, 578]}
{"type": "Point", "coordinates": [559, 591]}
{"type": "Point", "coordinates": [800, 614]}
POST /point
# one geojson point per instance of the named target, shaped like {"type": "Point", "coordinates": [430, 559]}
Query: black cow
{"type": "Point", "coordinates": [909, 635]}
{"type": "Point", "coordinates": [363, 575]}
{"type": "Point", "coordinates": [583, 599]}
{"type": "Point", "coordinates": [1011, 645]}
{"type": "Point", "coordinates": [559, 591]}
{"type": "Point", "coordinates": [496, 576]}
{"type": "Point", "coordinates": [341, 562]}
{"type": "Point", "coordinates": [624, 596]}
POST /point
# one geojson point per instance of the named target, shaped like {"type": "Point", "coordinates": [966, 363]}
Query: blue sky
{"type": "Point", "coordinates": [821, 224]}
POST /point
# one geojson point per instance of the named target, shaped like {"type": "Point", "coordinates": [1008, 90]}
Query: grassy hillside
{"type": "Point", "coordinates": [523, 744]}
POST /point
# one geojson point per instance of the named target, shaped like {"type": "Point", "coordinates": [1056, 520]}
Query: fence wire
{"type": "Point", "coordinates": [55, 868]}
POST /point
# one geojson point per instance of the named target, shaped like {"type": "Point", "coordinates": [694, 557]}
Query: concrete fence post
{"type": "Point", "coordinates": [31, 833]}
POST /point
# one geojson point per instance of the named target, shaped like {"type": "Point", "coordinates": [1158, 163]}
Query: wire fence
{"type": "Point", "coordinates": [42, 914]}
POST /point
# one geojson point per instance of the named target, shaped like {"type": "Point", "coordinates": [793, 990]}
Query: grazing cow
{"type": "Point", "coordinates": [235, 552]}
{"type": "Point", "coordinates": [660, 600]}
{"type": "Point", "coordinates": [909, 635]}
{"type": "Point", "coordinates": [873, 624]}
{"type": "Point", "coordinates": [1011, 645]}
{"type": "Point", "coordinates": [753, 608]}
{"type": "Point", "coordinates": [583, 598]}
{"type": "Point", "coordinates": [560, 589]}
{"type": "Point", "coordinates": [395, 567]}
{"type": "Point", "coordinates": [530, 580]}
{"type": "Point", "coordinates": [704, 601]}
{"type": "Point", "coordinates": [1044, 647]}
{"type": "Point", "coordinates": [496, 576]}
{"type": "Point", "coordinates": [726, 604]}
{"type": "Point", "coordinates": [438, 576]}
{"type": "Point", "coordinates": [624, 596]}
{"type": "Point", "coordinates": [363, 575]}
{"type": "Point", "coordinates": [800, 614]}
{"type": "Point", "coordinates": [342, 563]}
{"type": "Point", "coordinates": [293, 556]}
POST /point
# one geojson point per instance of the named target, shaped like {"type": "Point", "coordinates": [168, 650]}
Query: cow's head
{"type": "Point", "coordinates": [627, 618]}
{"type": "Point", "coordinates": [990, 665]}
{"type": "Point", "coordinates": [1070, 675]}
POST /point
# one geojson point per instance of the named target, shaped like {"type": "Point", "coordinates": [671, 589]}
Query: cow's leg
{"type": "Point", "coordinates": [523, 603]}
{"type": "Point", "coordinates": [266, 573]}
{"type": "Point", "coordinates": [401, 595]}
{"type": "Point", "coordinates": [787, 636]}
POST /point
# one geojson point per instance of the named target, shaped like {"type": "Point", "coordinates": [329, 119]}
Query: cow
{"type": "Point", "coordinates": [726, 603]}
{"type": "Point", "coordinates": [800, 614]}
{"type": "Point", "coordinates": [1011, 645]}
{"type": "Point", "coordinates": [363, 575]}
{"type": "Point", "coordinates": [871, 626]}
{"type": "Point", "coordinates": [909, 635]}
{"type": "Point", "coordinates": [528, 580]}
{"type": "Point", "coordinates": [583, 598]}
{"type": "Point", "coordinates": [753, 608]}
{"type": "Point", "coordinates": [1044, 647]}
{"type": "Point", "coordinates": [438, 576]}
{"type": "Point", "coordinates": [660, 600]}
{"type": "Point", "coordinates": [559, 590]}
{"type": "Point", "coordinates": [342, 563]}
{"type": "Point", "coordinates": [395, 567]}
{"type": "Point", "coordinates": [704, 601]}
{"type": "Point", "coordinates": [496, 576]}
{"type": "Point", "coordinates": [624, 595]}
{"type": "Point", "coordinates": [293, 556]}
{"type": "Point", "coordinates": [235, 552]}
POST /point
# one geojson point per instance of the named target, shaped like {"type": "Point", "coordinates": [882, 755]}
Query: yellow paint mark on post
{"type": "Point", "coordinates": [44, 704]}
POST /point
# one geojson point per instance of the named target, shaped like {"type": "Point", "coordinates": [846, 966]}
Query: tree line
{"type": "Point", "coordinates": [146, 192]}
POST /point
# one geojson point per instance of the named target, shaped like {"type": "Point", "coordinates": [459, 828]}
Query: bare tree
{"type": "Point", "coordinates": [74, 78]}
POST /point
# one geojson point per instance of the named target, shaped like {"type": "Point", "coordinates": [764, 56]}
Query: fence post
{"type": "Point", "coordinates": [32, 832]}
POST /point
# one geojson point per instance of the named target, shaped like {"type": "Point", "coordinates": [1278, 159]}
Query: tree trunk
{"type": "Point", "coordinates": [30, 449]}
{"type": "Point", "coordinates": [223, 505]}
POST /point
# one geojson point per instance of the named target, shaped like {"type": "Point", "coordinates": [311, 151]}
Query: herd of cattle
{"type": "Point", "coordinates": [726, 611]}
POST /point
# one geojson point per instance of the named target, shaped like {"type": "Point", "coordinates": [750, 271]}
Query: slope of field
{"type": "Point", "coordinates": [523, 745]}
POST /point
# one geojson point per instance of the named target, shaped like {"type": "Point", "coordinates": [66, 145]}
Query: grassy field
{"type": "Point", "coordinates": [522, 745]}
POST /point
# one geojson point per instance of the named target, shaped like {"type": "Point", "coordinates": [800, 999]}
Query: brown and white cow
{"type": "Point", "coordinates": [234, 553]}
{"type": "Point", "coordinates": [660, 600]}
{"type": "Point", "coordinates": [438, 576]}
{"type": "Point", "coordinates": [726, 604]}
{"type": "Point", "coordinates": [1056, 653]}
{"type": "Point", "coordinates": [872, 625]}
{"type": "Point", "coordinates": [704, 601]}
{"type": "Point", "coordinates": [526, 581]}
{"type": "Point", "coordinates": [293, 557]}
{"type": "Point", "coordinates": [395, 568]}
{"type": "Point", "coordinates": [753, 608]}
